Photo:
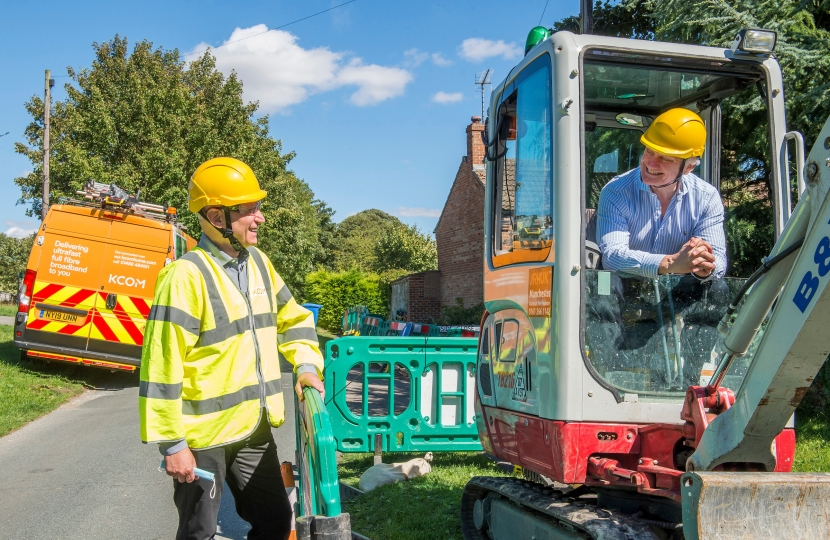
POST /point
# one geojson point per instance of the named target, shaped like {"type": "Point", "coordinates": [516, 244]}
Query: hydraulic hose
{"type": "Point", "coordinates": [723, 325]}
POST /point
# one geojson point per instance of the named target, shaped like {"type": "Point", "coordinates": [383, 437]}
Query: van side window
{"type": "Point", "coordinates": [181, 246]}
{"type": "Point", "coordinates": [523, 209]}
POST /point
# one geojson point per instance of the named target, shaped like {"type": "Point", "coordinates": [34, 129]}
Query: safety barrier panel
{"type": "Point", "coordinates": [416, 392]}
{"type": "Point", "coordinates": [352, 319]}
{"type": "Point", "coordinates": [319, 492]}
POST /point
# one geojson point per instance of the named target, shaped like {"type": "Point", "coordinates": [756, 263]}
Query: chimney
{"type": "Point", "coordinates": [475, 146]}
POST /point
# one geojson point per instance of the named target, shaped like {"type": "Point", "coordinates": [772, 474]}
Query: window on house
{"type": "Point", "coordinates": [523, 210]}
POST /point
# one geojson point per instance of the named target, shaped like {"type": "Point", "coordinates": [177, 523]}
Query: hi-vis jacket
{"type": "Point", "coordinates": [210, 359]}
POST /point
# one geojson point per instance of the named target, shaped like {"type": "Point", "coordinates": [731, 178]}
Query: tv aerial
{"type": "Point", "coordinates": [482, 79]}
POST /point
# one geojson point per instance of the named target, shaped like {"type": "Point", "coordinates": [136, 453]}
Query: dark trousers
{"type": "Point", "coordinates": [251, 468]}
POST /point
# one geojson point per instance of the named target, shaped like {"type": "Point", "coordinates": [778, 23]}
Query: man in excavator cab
{"type": "Point", "coordinates": [660, 218]}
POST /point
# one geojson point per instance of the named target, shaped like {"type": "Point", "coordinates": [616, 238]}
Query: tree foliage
{"type": "Point", "coordinates": [145, 120]}
{"type": "Point", "coordinates": [405, 248]}
{"type": "Point", "coordinates": [14, 254]}
{"type": "Point", "coordinates": [355, 238]}
{"type": "Point", "coordinates": [338, 291]}
{"type": "Point", "coordinates": [631, 19]}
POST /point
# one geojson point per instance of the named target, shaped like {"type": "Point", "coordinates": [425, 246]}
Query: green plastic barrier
{"type": "Point", "coordinates": [318, 492]}
{"type": "Point", "coordinates": [416, 392]}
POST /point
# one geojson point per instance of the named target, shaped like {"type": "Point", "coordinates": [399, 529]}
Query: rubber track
{"type": "Point", "coordinates": [581, 515]}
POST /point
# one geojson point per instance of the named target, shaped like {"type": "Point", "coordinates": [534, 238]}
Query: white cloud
{"type": "Point", "coordinates": [404, 211]}
{"type": "Point", "coordinates": [278, 72]}
{"type": "Point", "coordinates": [444, 97]}
{"type": "Point", "coordinates": [414, 57]}
{"type": "Point", "coordinates": [375, 83]}
{"type": "Point", "coordinates": [439, 60]}
{"type": "Point", "coordinates": [477, 49]}
{"type": "Point", "coordinates": [18, 232]}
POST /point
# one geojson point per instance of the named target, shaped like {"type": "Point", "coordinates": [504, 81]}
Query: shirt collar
{"type": "Point", "coordinates": [682, 189]}
{"type": "Point", "coordinates": [220, 256]}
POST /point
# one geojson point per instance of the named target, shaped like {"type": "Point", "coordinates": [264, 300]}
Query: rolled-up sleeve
{"type": "Point", "coordinates": [710, 228]}
{"type": "Point", "coordinates": [613, 234]}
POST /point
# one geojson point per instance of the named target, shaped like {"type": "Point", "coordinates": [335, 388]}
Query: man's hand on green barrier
{"type": "Point", "coordinates": [311, 380]}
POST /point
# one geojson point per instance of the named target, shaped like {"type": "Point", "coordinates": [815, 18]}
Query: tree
{"type": "Point", "coordinates": [338, 291]}
{"type": "Point", "coordinates": [14, 253]}
{"type": "Point", "coordinates": [405, 248]}
{"type": "Point", "coordinates": [145, 120]}
{"type": "Point", "coordinates": [629, 19]}
{"type": "Point", "coordinates": [356, 236]}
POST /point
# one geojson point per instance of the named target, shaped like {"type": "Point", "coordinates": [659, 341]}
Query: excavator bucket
{"type": "Point", "coordinates": [736, 505]}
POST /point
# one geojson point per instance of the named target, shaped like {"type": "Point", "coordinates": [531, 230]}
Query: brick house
{"type": "Point", "coordinates": [459, 235]}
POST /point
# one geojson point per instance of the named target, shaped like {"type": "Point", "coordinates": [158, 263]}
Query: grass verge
{"type": "Point", "coordinates": [8, 310]}
{"type": "Point", "coordinates": [29, 391]}
{"type": "Point", "coordinates": [427, 507]}
{"type": "Point", "coordinates": [419, 509]}
{"type": "Point", "coordinates": [812, 453]}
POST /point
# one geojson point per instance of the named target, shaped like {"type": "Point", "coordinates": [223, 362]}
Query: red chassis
{"type": "Point", "coordinates": [649, 456]}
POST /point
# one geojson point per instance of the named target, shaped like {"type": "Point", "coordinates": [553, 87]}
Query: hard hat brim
{"type": "Point", "coordinates": [672, 152]}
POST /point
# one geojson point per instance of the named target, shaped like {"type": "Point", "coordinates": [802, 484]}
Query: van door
{"type": "Point", "coordinates": [133, 257]}
{"type": "Point", "coordinates": [63, 299]}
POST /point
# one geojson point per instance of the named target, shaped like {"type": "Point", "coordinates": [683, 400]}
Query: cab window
{"type": "Point", "coordinates": [523, 215]}
{"type": "Point", "coordinates": [652, 338]}
{"type": "Point", "coordinates": [509, 341]}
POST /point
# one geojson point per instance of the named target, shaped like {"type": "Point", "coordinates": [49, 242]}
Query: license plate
{"type": "Point", "coordinates": [57, 316]}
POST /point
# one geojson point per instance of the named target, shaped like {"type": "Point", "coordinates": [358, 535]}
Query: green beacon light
{"type": "Point", "coordinates": [536, 35]}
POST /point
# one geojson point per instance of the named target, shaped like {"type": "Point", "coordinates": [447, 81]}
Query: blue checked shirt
{"type": "Point", "coordinates": [634, 238]}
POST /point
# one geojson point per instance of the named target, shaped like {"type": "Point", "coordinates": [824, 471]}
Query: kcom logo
{"type": "Point", "coordinates": [127, 281]}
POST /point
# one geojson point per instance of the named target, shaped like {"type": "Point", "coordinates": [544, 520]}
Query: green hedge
{"type": "Point", "coordinates": [338, 291]}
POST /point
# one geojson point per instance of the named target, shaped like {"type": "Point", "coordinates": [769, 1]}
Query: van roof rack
{"type": "Point", "coordinates": [112, 197]}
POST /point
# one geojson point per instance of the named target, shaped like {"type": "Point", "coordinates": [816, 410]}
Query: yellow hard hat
{"type": "Point", "coordinates": [677, 133]}
{"type": "Point", "coordinates": [223, 181]}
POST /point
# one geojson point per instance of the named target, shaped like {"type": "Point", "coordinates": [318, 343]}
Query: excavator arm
{"type": "Point", "coordinates": [794, 347]}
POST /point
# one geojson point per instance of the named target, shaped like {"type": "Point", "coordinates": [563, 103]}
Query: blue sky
{"type": "Point", "coordinates": [374, 96]}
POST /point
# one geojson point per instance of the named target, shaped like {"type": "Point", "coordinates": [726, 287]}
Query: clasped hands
{"type": "Point", "coordinates": [695, 257]}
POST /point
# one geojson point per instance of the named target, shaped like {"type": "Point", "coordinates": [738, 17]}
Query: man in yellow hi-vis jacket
{"type": "Point", "coordinates": [210, 373]}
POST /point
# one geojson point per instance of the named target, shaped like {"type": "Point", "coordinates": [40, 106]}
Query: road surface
{"type": "Point", "coordinates": [82, 472]}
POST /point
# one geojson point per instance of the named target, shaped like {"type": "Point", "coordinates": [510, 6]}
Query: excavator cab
{"type": "Point", "coordinates": [589, 377]}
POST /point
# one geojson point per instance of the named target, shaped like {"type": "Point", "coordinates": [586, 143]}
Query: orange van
{"type": "Point", "coordinates": [89, 283]}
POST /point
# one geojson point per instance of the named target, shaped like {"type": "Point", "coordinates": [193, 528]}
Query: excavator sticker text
{"type": "Point", "coordinates": [809, 283]}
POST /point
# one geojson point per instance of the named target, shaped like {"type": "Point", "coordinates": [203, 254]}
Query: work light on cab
{"type": "Point", "coordinates": [755, 41]}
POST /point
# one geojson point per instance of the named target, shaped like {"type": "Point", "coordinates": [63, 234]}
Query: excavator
{"type": "Point", "coordinates": [638, 407]}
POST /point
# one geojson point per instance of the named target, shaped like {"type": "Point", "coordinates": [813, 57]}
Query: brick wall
{"type": "Point", "coordinates": [460, 231]}
{"type": "Point", "coordinates": [422, 292]}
